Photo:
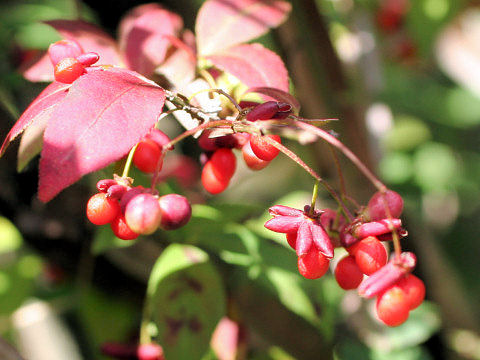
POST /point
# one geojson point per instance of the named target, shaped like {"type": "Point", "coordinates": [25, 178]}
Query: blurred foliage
{"type": "Point", "coordinates": [429, 152]}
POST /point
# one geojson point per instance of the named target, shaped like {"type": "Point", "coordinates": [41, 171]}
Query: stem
{"type": "Point", "coordinates": [312, 173]}
{"type": "Point", "coordinates": [208, 78]}
{"type": "Point", "coordinates": [314, 198]}
{"type": "Point", "coordinates": [221, 92]}
{"type": "Point", "coordinates": [343, 189]}
{"type": "Point", "coordinates": [128, 163]}
{"type": "Point", "coordinates": [158, 166]}
{"type": "Point", "coordinates": [182, 103]}
{"type": "Point", "coordinates": [144, 333]}
{"type": "Point", "coordinates": [395, 238]}
{"type": "Point", "coordinates": [207, 125]}
{"type": "Point", "coordinates": [345, 150]}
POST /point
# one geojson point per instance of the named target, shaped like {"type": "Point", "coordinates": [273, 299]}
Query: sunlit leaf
{"type": "Point", "coordinates": [103, 116]}
{"type": "Point", "coordinates": [225, 23]}
{"type": "Point", "coordinates": [254, 65]}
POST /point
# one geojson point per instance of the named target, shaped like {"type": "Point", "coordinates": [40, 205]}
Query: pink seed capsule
{"type": "Point", "coordinates": [347, 239]}
{"type": "Point", "coordinates": [284, 211]}
{"type": "Point", "coordinates": [378, 202]}
{"type": "Point", "coordinates": [176, 211]}
{"type": "Point", "coordinates": [88, 59]}
{"type": "Point", "coordinates": [376, 228]}
{"type": "Point", "coordinates": [284, 110]}
{"type": "Point", "coordinates": [116, 191]}
{"type": "Point", "coordinates": [129, 195]}
{"type": "Point", "coordinates": [264, 111]}
{"type": "Point", "coordinates": [388, 275]}
{"type": "Point", "coordinates": [246, 104]}
{"type": "Point", "coordinates": [64, 49]}
{"type": "Point", "coordinates": [143, 214]}
{"type": "Point", "coordinates": [284, 224]}
{"type": "Point", "coordinates": [104, 184]}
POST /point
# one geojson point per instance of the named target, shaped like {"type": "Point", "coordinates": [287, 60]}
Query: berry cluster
{"type": "Point", "coordinates": [69, 60]}
{"type": "Point", "coordinates": [133, 211]}
{"type": "Point", "coordinates": [313, 234]}
{"type": "Point", "coordinates": [219, 161]}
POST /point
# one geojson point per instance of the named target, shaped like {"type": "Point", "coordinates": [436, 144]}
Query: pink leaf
{"type": "Point", "coordinates": [32, 139]}
{"type": "Point", "coordinates": [91, 38]}
{"type": "Point", "coordinates": [40, 107]}
{"type": "Point", "coordinates": [254, 65]}
{"type": "Point", "coordinates": [144, 36]}
{"type": "Point", "coordinates": [103, 116]}
{"type": "Point", "coordinates": [277, 95]}
{"type": "Point", "coordinates": [225, 23]}
{"type": "Point", "coordinates": [38, 69]}
{"type": "Point", "coordinates": [179, 67]}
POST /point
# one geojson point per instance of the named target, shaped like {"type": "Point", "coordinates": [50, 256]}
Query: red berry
{"type": "Point", "coordinates": [292, 240]}
{"type": "Point", "coordinates": [68, 70]}
{"type": "Point", "coordinates": [207, 143]}
{"type": "Point", "coordinates": [121, 230]}
{"type": "Point", "coordinates": [159, 137]}
{"type": "Point", "coordinates": [223, 163]}
{"type": "Point", "coordinates": [241, 139]}
{"type": "Point", "coordinates": [313, 264]}
{"type": "Point", "coordinates": [348, 274]}
{"type": "Point", "coordinates": [263, 149]}
{"type": "Point", "coordinates": [102, 210]}
{"type": "Point", "coordinates": [252, 161]}
{"type": "Point", "coordinates": [143, 214]}
{"type": "Point", "coordinates": [392, 307]}
{"type": "Point", "coordinates": [63, 49]}
{"type": "Point", "coordinates": [370, 254]}
{"type": "Point", "coordinates": [376, 205]}
{"type": "Point", "coordinates": [147, 155]}
{"type": "Point", "coordinates": [150, 352]}
{"type": "Point", "coordinates": [210, 182]}
{"type": "Point", "coordinates": [175, 211]}
{"type": "Point", "coordinates": [414, 290]}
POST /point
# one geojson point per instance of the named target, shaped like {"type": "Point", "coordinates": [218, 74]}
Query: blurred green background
{"type": "Point", "coordinates": [403, 79]}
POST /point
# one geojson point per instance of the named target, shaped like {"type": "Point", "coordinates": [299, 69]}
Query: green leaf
{"type": "Point", "coordinates": [396, 167]}
{"type": "Point", "coordinates": [435, 166]}
{"type": "Point", "coordinates": [11, 239]}
{"type": "Point", "coordinates": [186, 300]}
{"type": "Point", "coordinates": [104, 240]}
{"type": "Point", "coordinates": [407, 134]}
{"type": "Point", "coordinates": [350, 349]}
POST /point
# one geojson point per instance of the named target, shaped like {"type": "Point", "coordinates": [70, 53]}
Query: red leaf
{"type": "Point", "coordinates": [254, 65]}
{"type": "Point", "coordinates": [277, 95]}
{"type": "Point", "coordinates": [91, 38]}
{"type": "Point", "coordinates": [144, 36]}
{"type": "Point", "coordinates": [103, 116]}
{"type": "Point", "coordinates": [42, 106]}
{"type": "Point", "coordinates": [224, 23]}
